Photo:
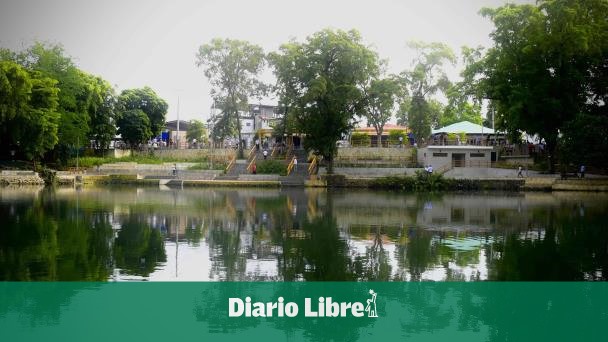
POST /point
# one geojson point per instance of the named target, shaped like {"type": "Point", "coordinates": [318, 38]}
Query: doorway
{"type": "Point", "coordinates": [458, 159]}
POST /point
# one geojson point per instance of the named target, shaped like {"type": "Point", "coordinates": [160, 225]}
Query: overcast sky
{"type": "Point", "coordinates": [137, 43]}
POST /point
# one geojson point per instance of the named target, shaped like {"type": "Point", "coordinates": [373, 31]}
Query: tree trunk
{"type": "Point", "coordinates": [551, 151]}
{"type": "Point", "coordinates": [330, 164]}
{"type": "Point", "coordinates": [240, 142]}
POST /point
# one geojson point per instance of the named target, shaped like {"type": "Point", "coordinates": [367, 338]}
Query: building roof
{"type": "Point", "coordinates": [464, 126]}
{"type": "Point", "coordinates": [172, 125]}
{"type": "Point", "coordinates": [387, 128]}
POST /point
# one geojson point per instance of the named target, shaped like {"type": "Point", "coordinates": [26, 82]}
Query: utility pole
{"type": "Point", "coordinates": [177, 133]}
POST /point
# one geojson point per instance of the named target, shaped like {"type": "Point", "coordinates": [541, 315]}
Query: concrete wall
{"type": "Point", "coordinates": [374, 153]}
{"type": "Point", "coordinates": [442, 156]}
{"type": "Point", "coordinates": [195, 154]}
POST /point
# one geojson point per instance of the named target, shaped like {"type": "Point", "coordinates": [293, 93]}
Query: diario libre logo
{"type": "Point", "coordinates": [323, 307]}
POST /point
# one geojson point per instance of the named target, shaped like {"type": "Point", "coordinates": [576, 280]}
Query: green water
{"type": "Point", "coordinates": [299, 235]}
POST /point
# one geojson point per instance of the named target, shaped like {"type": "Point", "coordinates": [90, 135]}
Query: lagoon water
{"type": "Point", "coordinates": [213, 234]}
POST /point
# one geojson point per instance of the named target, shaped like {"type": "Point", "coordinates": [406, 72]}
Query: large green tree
{"type": "Point", "coordinates": [196, 130]}
{"type": "Point", "coordinates": [547, 65]}
{"type": "Point", "coordinates": [379, 103]}
{"type": "Point", "coordinates": [28, 117]}
{"type": "Point", "coordinates": [134, 127]}
{"type": "Point", "coordinates": [425, 79]}
{"type": "Point", "coordinates": [233, 68]}
{"type": "Point", "coordinates": [75, 94]}
{"type": "Point", "coordinates": [324, 77]}
{"type": "Point", "coordinates": [146, 100]}
{"type": "Point", "coordinates": [103, 113]}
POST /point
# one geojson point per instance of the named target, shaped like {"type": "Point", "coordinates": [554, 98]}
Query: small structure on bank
{"type": "Point", "coordinates": [447, 156]}
{"type": "Point", "coordinates": [466, 133]}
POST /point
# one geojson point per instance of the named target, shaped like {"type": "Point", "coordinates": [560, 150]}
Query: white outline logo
{"type": "Point", "coordinates": [371, 305]}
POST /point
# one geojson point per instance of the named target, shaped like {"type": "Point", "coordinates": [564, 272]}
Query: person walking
{"type": "Point", "coordinates": [520, 171]}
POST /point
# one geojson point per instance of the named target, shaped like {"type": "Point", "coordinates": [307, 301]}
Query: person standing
{"type": "Point", "coordinates": [265, 153]}
{"type": "Point", "coordinates": [582, 171]}
{"type": "Point", "coordinates": [295, 164]}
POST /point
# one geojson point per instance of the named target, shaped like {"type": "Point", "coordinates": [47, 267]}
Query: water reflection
{"type": "Point", "coordinates": [297, 235]}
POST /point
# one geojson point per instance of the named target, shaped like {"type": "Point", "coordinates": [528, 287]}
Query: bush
{"type": "Point", "coordinates": [271, 167]}
{"type": "Point", "coordinates": [360, 140]}
{"type": "Point", "coordinates": [49, 176]}
{"type": "Point", "coordinates": [393, 137]}
{"type": "Point", "coordinates": [420, 182]}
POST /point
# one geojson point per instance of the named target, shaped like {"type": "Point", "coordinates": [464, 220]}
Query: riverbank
{"type": "Point", "coordinates": [400, 182]}
{"type": "Point", "coordinates": [9, 177]}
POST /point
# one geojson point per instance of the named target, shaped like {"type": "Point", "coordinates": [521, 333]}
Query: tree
{"type": "Point", "coordinates": [459, 108]}
{"type": "Point", "coordinates": [286, 87]}
{"type": "Point", "coordinates": [547, 65]}
{"type": "Point", "coordinates": [232, 67]}
{"type": "Point", "coordinates": [103, 112]}
{"type": "Point", "coordinates": [325, 77]}
{"type": "Point", "coordinates": [148, 102]}
{"type": "Point", "coordinates": [134, 127]}
{"type": "Point", "coordinates": [74, 95]}
{"type": "Point", "coordinates": [196, 130]}
{"type": "Point", "coordinates": [28, 116]}
{"type": "Point", "coordinates": [380, 98]}
{"type": "Point", "coordinates": [424, 80]}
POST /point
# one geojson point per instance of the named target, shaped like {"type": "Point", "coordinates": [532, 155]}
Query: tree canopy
{"type": "Point", "coordinates": [547, 66]}
{"type": "Point", "coordinates": [196, 130]}
{"type": "Point", "coordinates": [322, 79]}
{"type": "Point", "coordinates": [28, 116]}
{"type": "Point", "coordinates": [134, 127]}
{"type": "Point", "coordinates": [232, 67]}
{"type": "Point", "coordinates": [148, 102]}
{"type": "Point", "coordinates": [426, 78]}
{"type": "Point", "coordinates": [380, 102]}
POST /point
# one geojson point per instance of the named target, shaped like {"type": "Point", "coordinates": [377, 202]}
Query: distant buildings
{"type": "Point", "coordinates": [256, 123]}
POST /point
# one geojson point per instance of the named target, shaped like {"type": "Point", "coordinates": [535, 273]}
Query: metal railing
{"type": "Point", "coordinates": [230, 165]}
{"type": "Point", "coordinates": [312, 167]}
{"type": "Point", "coordinates": [291, 165]}
{"type": "Point", "coordinates": [471, 163]}
{"type": "Point", "coordinates": [251, 153]}
{"type": "Point", "coordinates": [253, 160]}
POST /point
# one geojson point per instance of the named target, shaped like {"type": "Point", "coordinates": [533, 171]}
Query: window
{"type": "Point", "coordinates": [248, 124]}
{"type": "Point", "coordinates": [478, 155]}
{"type": "Point", "coordinates": [440, 154]}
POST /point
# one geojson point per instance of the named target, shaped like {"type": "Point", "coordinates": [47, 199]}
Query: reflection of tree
{"type": "Point", "coordinates": [138, 247]}
{"type": "Point", "coordinates": [417, 254]}
{"type": "Point", "coordinates": [53, 241]}
{"type": "Point", "coordinates": [374, 265]}
{"type": "Point", "coordinates": [227, 259]}
{"type": "Point", "coordinates": [560, 244]}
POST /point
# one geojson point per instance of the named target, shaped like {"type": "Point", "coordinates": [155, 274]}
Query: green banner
{"type": "Point", "coordinates": [159, 311]}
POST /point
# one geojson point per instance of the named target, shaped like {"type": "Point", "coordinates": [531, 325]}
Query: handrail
{"type": "Point", "coordinates": [255, 157]}
{"type": "Point", "coordinates": [251, 152]}
{"type": "Point", "coordinates": [289, 151]}
{"type": "Point", "coordinates": [274, 151]}
{"type": "Point", "coordinates": [313, 166]}
{"type": "Point", "coordinates": [230, 164]}
{"type": "Point", "coordinates": [290, 166]}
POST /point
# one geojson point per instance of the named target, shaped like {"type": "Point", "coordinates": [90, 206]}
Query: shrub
{"type": "Point", "coordinates": [271, 167]}
{"type": "Point", "coordinates": [360, 140]}
{"type": "Point", "coordinates": [393, 137]}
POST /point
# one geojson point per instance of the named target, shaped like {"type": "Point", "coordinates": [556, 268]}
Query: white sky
{"type": "Point", "coordinates": [138, 43]}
